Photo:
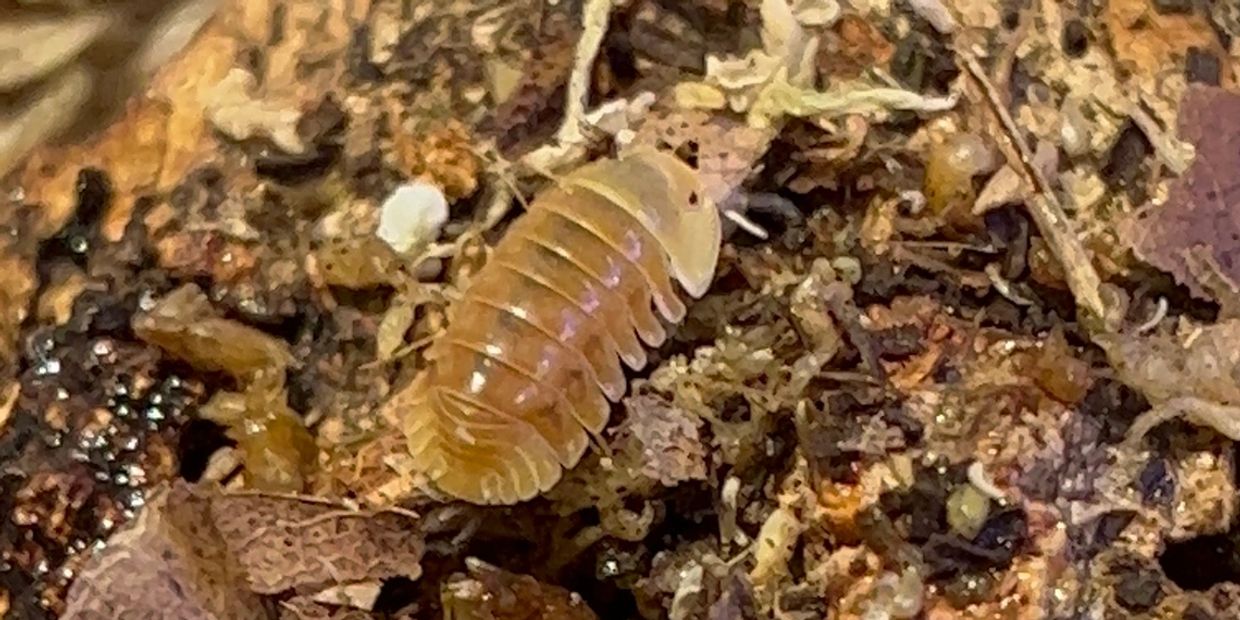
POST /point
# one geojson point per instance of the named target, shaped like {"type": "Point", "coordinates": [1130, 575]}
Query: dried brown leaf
{"type": "Point", "coordinates": [170, 563]}
{"type": "Point", "coordinates": [1195, 235]}
{"type": "Point", "coordinates": [305, 544]}
{"type": "Point", "coordinates": [196, 553]}
{"type": "Point", "coordinates": [1200, 360]}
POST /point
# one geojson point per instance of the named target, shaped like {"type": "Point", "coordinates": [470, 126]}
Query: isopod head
{"type": "Point", "coordinates": [664, 194]}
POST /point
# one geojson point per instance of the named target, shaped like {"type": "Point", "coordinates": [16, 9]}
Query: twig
{"type": "Point", "coordinates": [1047, 211]}
{"type": "Point", "coordinates": [1005, 288]}
{"type": "Point", "coordinates": [747, 224]}
{"type": "Point", "coordinates": [594, 17]}
{"type": "Point", "coordinates": [1177, 155]}
{"type": "Point", "coordinates": [1221, 418]}
{"type": "Point", "coordinates": [571, 139]}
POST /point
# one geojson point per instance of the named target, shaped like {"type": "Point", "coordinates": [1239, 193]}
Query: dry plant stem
{"type": "Point", "coordinates": [1044, 206]}
{"type": "Point", "coordinates": [1004, 287]}
{"type": "Point", "coordinates": [1224, 419]}
{"type": "Point", "coordinates": [747, 224]}
{"type": "Point", "coordinates": [571, 139]}
{"type": "Point", "coordinates": [1174, 154]}
{"type": "Point", "coordinates": [594, 17]}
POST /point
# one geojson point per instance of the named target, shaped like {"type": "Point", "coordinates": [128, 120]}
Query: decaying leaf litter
{"type": "Point", "coordinates": [940, 372]}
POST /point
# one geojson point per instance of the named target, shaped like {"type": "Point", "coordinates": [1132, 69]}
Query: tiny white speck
{"type": "Point", "coordinates": [522, 396]}
{"type": "Point", "coordinates": [465, 435]}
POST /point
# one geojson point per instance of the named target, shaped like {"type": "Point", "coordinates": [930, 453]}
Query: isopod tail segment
{"type": "Point", "coordinates": [534, 353]}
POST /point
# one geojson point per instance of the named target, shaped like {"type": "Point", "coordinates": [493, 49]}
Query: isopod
{"type": "Point", "coordinates": [526, 370]}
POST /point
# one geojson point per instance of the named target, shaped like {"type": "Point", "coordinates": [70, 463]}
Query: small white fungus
{"type": "Point", "coordinates": [412, 215]}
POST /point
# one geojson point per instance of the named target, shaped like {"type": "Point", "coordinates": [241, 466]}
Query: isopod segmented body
{"type": "Point", "coordinates": [531, 359]}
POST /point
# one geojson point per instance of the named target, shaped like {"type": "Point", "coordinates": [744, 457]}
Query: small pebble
{"type": "Point", "coordinates": [1004, 532]}
{"type": "Point", "coordinates": [1125, 163]}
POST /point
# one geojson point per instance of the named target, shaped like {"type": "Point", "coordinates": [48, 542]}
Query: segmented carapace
{"type": "Point", "coordinates": [532, 355]}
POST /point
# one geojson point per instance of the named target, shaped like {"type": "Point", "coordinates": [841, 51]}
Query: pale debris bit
{"type": "Point", "coordinates": [238, 113]}
{"type": "Point", "coordinates": [412, 216]}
